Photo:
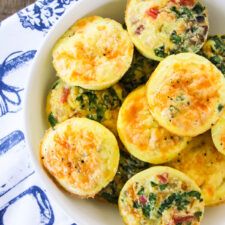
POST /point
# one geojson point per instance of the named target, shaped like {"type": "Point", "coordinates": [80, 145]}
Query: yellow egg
{"type": "Point", "coordinates": [142, 136]}
{"type": "Point", "coordinates": [159, 28]}
{"type": "Point", "coordinates": [66, 101]}
{"type": "Point", "coordinates": [81, 155]}
{"type": "Point", "coordinates": [94, 54]}
{"type": "Point", "coordinates": [184, 94]}
{"type": "Point", "coordinates": [204, 164]}
{"type": "Point", "coordinates": [161, 195]}
{"type": "Point", "coordinates": [218, 133]}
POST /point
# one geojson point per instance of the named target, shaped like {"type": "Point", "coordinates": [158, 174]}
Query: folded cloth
{"type": "Point", "coordinates": [23, 198]}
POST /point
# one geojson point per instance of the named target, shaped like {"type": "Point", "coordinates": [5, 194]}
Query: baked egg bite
{"type": "Point", "coordinates": [128, 166]}
{"type": "Point", "coordinates": [159, 28]}
{"type": "Point", "coordinates": [139, 72]}
{"type": "Point", "coordinates": [94, 54]}
{"type": "Point", "coordinates": [218, 133]}
{"type": "Point", "coordinates": [66, 101]}
{"type": "Point", "coordinates": [81, 155]}
{"type": "Point", "coordinates": [161, 195]}
{"type": "Point", "coordinates": [214, 50]}
{"type": "Point", "coordinates": [142, 136]}
{"type": "Point", "coordinates": [205, 165]}
{"type": "Point", "coordinates": [185, 94]}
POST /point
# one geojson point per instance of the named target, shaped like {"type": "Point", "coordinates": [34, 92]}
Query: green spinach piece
{"type": "Point", "coordinates": [175, 38]}
{"type": "Point", "coordinates": [52, 120]}
{"type": "Point", "coordinates": [160, 52]}
{"type": "Point", "coordinates": [198, 8]}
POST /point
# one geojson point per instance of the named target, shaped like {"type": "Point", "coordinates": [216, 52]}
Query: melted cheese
{"type": "Point", "coordinates": [81, 155]}
{"type": "Point", "coordinates": [142, 135]}
{"type": "Point", "coordinates": [163, 27]}
{"type": "Point", "coordinates": [161, 195]}
{"type": "Point", "coordinates": [204, 164]}
{"type": "Point", "coordinates": [218, 134]}
{"type": "Point", "coordinates": [184, 94]}
{"type": "Point", "coordinates": [94, 54]}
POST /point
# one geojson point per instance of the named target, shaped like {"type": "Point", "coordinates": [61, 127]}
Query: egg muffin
{"type": "Point", "coordinates": [204, 164]}
{"type": "Point", "coordinates": [81, 155]}
{"type": "Point", "coordinates": [128, 166]}
{"type": "Point", "coordinates": [142, 136]}
{"type": "Point", "coordinates": [66, 101]}
{"type": "Point", "coordinates": [139, 72]}
{"type": "Point", "coordinates": [159, 28]}
{"type": "Point", "coordinates": [94, 54]}
{"type": "Point", "coordinates": [218, 133]}
{"type": "Point", "coordinates": [161, 195]}
{"type": "Point", "coordinates": [214, 50]}
{"type": "Point", "coordinates": [185, 94]}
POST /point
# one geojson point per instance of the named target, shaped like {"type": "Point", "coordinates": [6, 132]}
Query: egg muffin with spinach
{"type": "Point", "coordinates": [94, 53]}
{"type": "Point", "coordinates": [203, 163]}
{"type": "Point", "coordinates": [159, 28]}
{"type": "Point", "coordinates": [141, 134]}
{"type": "Point", "coordinates": [128, 166]}
{"type": "Point", "coordinates": [214, 50]}
{"type": "Point", "coordinates": [139, 72]}
{"type": "Point", "coordinates": [81, 155]}
{"type": "Point", "coordinates": [161, 195]}
{"type": "Point", "coordinates": [66, 101]}
{"type": "Point", "coordinates": [185, 94]}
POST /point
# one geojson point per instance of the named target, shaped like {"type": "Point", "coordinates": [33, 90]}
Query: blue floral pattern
{"type": "Point", "coordinates": [43, 14]}
{"type": "Point", "coordinates": [9, 95]}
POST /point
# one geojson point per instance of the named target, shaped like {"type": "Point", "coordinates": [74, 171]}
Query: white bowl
{"type": "Point", "coordinates": [86, 212]}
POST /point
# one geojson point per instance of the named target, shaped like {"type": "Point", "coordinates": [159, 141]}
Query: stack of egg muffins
{"type": "Point", "coordinates": [137, 114]}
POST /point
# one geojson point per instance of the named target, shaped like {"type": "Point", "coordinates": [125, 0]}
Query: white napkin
{"type": "Point", "coordinates": [23, 198]}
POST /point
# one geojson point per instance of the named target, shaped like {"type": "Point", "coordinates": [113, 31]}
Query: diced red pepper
{"type": "Point", "coordinates": [153, 12]}
{"type": "Point", "coordinates": [181, 219]}
{"type": "Point", "coordinates": [187, 2]}
{"type": "Point", "coordinates": [65, 94]}
{"type": "Point", "coordinates": [163, 178]}
{"type": "Point", "coordinates": [143, 199]}
{"type": "Point", "coordinates": [173, 1]}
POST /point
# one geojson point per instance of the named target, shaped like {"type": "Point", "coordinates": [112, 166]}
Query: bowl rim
{"type": "Point", "coordinates": [89, 7]}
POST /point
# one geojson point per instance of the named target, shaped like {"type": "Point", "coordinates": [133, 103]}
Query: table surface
{"type": "Point", "coordinates": [8, 7]}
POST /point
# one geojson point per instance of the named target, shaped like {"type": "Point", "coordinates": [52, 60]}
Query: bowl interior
{"type": "Point", "coordinates": [42, 75]}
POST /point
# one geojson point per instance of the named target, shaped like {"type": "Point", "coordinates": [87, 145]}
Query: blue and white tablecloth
{"type": "Point", "coordinates": [23, 198]}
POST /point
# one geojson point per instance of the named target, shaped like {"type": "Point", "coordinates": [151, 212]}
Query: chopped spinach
{"type": "Point", "coordinates": [100, 112]}
{"type": "Point", "coordinates": [128, 166]}
{"type": "Point", "coordinates": [150, 205]}
{"type": "Point", "coordinates": [198, 8]}
{"type": "Point", "coordinates": [55, 84]}
{"type": "Point", "coordinates": [141, 191]}
{"type": "Point", "coordinates": [186, 12]}
{"type": "Point", "coordinates": [175, 10]}
{"type": "Point", "coordinates": [136, 205]}
{"type": "Point", "coordinates": [162, 187]}
{"type": "Point", "coordinates": [146, 210]}
{"type": "Point", "coordinates": [175, 38]}
{"type": "Point", "coordinates": [153, 184]}
{"type": "Point", "coordinates": [220, 107]}
{"type": "Point", "coordinates": [215, 59]}
{"type": "Point", "coordinates": [195, 194]}
{"type": "Point", "coordinates": [139, 72]}
{"type": "Point", "coordinates": [198, 215]}
{"type": "Point", "coordinates": [152, 198]}
{"type": "Point", "coordinates": [52, 120]}
{"type": "Point", "coordinates": [160, 52]}
{"type": "Point", "coordinates": [180, 200]}
{"type": "Point", "coordinates": [166, 204]}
